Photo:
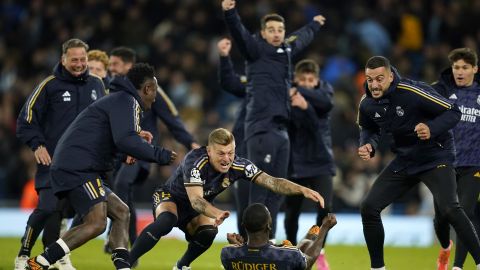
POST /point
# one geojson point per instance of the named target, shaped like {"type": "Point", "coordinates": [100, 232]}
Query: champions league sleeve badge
{"type": "Point", "coordinates": [195, 176]}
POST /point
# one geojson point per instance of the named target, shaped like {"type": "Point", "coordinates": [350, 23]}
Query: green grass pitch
{"type": "Point", "coordinates": [168, 251]}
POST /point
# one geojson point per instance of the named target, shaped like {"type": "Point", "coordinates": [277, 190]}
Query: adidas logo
{"type": "Point", "coordinates": [477, 174]}
{"type": "Point", "coordinates": [66, 96]}
{"type": "Point", "coordinates": [377, 115]}
{"type": "Point", "coordinates": [453, 96]}
{"type": "Point", "coordinates": [280, 50]}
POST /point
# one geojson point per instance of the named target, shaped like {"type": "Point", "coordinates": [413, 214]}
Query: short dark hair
{"type": "Point", "coordinates": [73, 43]}
{"type": "Point", "coordinates": [307, 66]}
{"type": "Point", "coordinates": [128, 55]}
{"type": "Point", "coordinates": [271, 17]}
{"type": "Point", "coordinates": [465, 54]}
{"type": "Point", "coordinates": [377, 61]}
{"type": "Point", "coordinates": [256, 217]}
{"type": "Point", "coordinates": [139, 73]}
{"type": "Point", "coordinates": [220, 136]}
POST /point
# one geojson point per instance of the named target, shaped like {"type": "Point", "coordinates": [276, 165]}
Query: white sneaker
{"type": "Point", "coordinates": [21, 262]}
{"type": "Point", "coordinates": [183, 268]}
{"type": "Point", "coordinates": [64, 263]}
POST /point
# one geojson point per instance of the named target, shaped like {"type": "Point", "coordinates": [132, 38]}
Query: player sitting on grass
{"type": "Point", "coordinates": [259, 253]}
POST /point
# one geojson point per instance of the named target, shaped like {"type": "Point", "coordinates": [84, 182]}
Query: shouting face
{"type": "Point", "coordinates": [378, 80]}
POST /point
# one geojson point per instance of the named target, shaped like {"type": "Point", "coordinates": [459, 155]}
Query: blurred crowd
{"type": "Point", "coordinates": [179, 38]}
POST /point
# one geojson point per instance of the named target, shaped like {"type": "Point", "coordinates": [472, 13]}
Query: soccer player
{"type": "Point", "coordinates": [85, 153]}
{"type": "Point", "coordinates": [418, 119]}
{"type": "Point", "coordinates": [185, 201]}
{"type": "Point", "coordinates": [460, 83]}
{"type": "Point", "coordinates": [49, 110]}
{"type": "Point", "coordinates": [126, 176]}
{"type": "Point", "coordinates": [259, 253]}
{"type": "Point", "coordinates": [269, 74]}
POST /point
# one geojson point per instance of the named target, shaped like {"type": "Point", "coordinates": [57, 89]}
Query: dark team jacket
{"type": "Point", "coordinates": [108, 126]}
{"type": "Point", "coordinates": [164, 109]}
{"type": "Point", "coordinates": [405, 104]}
{"type": "Point", "coordinates": [235, 85]}
{"type": "Point", "coordinates": [310, 134]}
{"type": "Point", "coordinates": [267, 257]}
{"type": "Point", "coordinates": [311, 142]}
{"type": "Point", "coordinates": [50, 109]}
{"type": "Point", "coordinates": [195, 170]}
{"type": "Point", "coordinates": [269, 73]}
{"type": "Point", "coordinates": [466, 132]}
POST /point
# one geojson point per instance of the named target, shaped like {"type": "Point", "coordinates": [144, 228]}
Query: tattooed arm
{"type": "Point", "coordinates": [286, 187]}
{"type": "Point", "coordinates": [202, 206]}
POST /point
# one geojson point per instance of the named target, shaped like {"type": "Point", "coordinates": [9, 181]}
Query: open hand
{"type": "Point", "coordinates": [313, 195]}
{"type": "Point", "coordinates": [219, 219]}
{"type": "Point", "coordinates": [42, 156]}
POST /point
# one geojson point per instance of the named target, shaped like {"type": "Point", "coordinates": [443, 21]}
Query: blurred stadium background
{"type": "Point", "coordinates": [179, 38]}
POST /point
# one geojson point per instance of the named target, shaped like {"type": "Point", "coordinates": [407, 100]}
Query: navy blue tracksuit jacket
{"type": "Point", "coordinates": [310, 134]}
{"type": "Point", "coordinates": [405, 104]}
{"type": "Point", "coordinates": [50, 109]}
{"type": "Point", "coordinates": [466, 132]}
{"type": "Point", "coordinates": [311, 141]}
{"type": "Point", "coordinates": [269, 73]}
{"type": "Point", "coordinates": [110, 125]}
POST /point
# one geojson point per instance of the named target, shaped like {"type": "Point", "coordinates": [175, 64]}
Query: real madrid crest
{"type": "Point", "coordinates": [93, 95]}
{"type": "Point", "coordinates": [400, 111]}
{"type": "Point", "coordinates": [225, 182]}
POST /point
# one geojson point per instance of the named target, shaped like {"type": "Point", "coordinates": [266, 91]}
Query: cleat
{"type": "Point", "coordinates": [21, 262]}
{"type": "Point", "coordinates": [32, 264]}
{"type": "Point", "coordinates": [443, 257]}
{"type": "Point", "coordinates": [286, 243]}
{"type": "Point", "coordinates": [64, 263]}
{"type": "Point", "coordinates": [313, 233]}
{"type": "Point", "coordinates": [322, 263]}
{"type": "Point", "coordinates": [456, 268]}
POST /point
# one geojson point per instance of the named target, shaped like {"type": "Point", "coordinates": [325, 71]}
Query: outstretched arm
{"type": "Point", "coordinates": [286, 187]}
{"type": "Point", "coordinates": [202, 206]}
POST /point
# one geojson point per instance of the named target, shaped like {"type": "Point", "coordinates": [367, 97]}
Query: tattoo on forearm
{"type": "Point", "coordinates": [200, 205]}
{"type": "Point", "coordinates": [278, 185]}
